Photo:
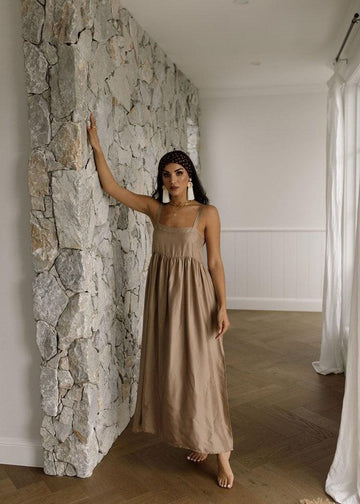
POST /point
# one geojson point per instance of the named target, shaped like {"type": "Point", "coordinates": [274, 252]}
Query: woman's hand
{"type": "Point", "coordinates": [92, 133]}
{"type": "Point", "coordinates": [222, 321]}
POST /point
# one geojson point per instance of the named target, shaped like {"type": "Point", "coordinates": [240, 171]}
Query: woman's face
{"type": "Point", "coordinates": [175, 179]}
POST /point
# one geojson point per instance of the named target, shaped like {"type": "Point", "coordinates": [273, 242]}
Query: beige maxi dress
{"type": "Point", "coordinates": [182, 390]}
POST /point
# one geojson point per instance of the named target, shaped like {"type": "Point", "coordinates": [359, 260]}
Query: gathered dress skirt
{"type": "Point", "coordinates": [182, 390]}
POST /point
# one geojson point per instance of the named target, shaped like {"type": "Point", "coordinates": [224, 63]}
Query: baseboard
{"type": "Point", "coordinates": [276, 304]}
{"type": "Point", "coordinates": [21, 451]}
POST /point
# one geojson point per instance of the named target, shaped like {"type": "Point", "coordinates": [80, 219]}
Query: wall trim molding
{"type": "Point", "coordinates": [263, 90]}
{"type": "Point", "coordinates": [274, 304]}
{"type": "Point", "coordinates": [21, 451]}
{"type": "Point", "coordinates": [271, 230]}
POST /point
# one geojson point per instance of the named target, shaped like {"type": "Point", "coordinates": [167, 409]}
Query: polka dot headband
{"type": "Point", "coordinates": [178, 157]}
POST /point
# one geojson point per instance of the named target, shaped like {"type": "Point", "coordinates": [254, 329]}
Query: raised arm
{"type": "Point", "coordinates": [139, 202]}
{"type": "Point", "coordinates": [215, 265]}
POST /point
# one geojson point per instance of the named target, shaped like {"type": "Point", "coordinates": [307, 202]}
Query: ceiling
{"type": "Point", "coordinates": [221, 45]}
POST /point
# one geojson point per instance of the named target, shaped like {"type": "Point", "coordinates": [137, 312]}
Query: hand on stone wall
{"type": "Point", "coordinates": [92, 133]}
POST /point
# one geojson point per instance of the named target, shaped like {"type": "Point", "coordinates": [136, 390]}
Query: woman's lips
{"type": "Point", "coordinates": [172, 188]}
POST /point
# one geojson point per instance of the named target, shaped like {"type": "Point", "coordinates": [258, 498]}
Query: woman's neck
{"type": "Point", "coordinates": [178, 200]}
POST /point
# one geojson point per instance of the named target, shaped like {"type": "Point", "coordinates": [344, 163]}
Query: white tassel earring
{"type": "Point", "coordinates": [165, 195]}
{"type": "Point", "coordinates": [190, 191]}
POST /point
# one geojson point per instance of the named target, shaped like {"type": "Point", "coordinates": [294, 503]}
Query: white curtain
{"type": "Point", "coordinates": [341, 300]}
{"type": "Point", "coordinates": [343, 481]}
{"type": "Point", "coordinates": [333, 343]}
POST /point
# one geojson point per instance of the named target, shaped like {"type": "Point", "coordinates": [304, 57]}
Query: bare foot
{"type": "Point", "coordinates": [195, 456]}
{"type": "Point", "coordinates": [225, 474]}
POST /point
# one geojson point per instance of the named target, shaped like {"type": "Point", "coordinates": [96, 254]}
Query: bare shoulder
{"type": "Point", "coordinates": [210, 214]}
{"type": "Point", "coordinates": [209, 221]}
{"type": "Point", "coordinates": [210, 209]}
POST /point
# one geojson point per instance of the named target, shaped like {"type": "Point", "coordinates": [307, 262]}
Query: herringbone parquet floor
{"type": "Point", "coordinates": [285, 420]}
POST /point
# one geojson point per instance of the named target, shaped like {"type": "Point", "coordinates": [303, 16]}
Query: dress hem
{"type": "Point", "coordinates": [176, 445]}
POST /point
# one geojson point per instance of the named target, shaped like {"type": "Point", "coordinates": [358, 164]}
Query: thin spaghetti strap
{"type": "Point", "coordinates": [197, 217]}
{"type": "Point", "coordinates": [158, 213]}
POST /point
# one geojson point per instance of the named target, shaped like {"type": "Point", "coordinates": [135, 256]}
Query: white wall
{"type": "Point", "coordinates": [20, 416]}
{"type": "Point", "coordinates": [263, 165]}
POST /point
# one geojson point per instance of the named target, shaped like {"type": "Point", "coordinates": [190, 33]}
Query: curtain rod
{"type": "Point", "coordinates": [354, 20]}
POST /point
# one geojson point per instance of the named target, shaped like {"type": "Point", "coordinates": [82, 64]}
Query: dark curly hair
{"type": "Point", "coordinates": [181, 158]}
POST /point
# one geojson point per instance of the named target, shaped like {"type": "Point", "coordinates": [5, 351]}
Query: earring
{"type": "Point", "coordinates": [190, 191]}
{"type": "Point", "coordinates": [165, 195]}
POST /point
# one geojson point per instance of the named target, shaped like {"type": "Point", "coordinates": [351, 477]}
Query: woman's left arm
{"type": "Point", "coordinates": [215, 265]}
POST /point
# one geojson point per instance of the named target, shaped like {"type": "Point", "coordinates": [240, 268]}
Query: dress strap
{"type": "Point", "coordinates": [158, 213]}
{"type": "Point", "coordinates": [197, 217]}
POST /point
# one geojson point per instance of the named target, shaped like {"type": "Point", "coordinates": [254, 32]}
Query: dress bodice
{"type": "Point", "coordinates": [178, 241]}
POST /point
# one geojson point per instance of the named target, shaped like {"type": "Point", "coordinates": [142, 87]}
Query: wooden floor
{"type": "Point", "coordinates": [285, 421]}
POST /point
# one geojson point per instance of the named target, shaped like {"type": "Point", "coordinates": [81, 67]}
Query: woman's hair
{"type": "Point", "coordinates": [179, 157]}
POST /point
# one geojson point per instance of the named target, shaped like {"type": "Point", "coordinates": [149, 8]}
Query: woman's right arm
{"type": "Point", "coordinates": [139, 202]}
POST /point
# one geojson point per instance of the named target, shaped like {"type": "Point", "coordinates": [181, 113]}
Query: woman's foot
{"type": "Point", "coordinates": [225, 474]}
{"type": "Point", "coordinates": [195, 456]}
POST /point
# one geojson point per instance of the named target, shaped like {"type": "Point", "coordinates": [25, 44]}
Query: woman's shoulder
{"type": "Point", "coordinates": [209, 209]}
{"type": "Point", "coordinates": [208, 205]}
{"type": "Point", "coordinates": [209, 214]}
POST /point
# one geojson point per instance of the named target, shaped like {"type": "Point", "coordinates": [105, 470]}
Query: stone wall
{"type": "Point", "coordinates": [90, 253]}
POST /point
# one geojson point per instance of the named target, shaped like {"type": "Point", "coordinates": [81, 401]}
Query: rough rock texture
{"type": "Point", "coordinates": [90, 253]}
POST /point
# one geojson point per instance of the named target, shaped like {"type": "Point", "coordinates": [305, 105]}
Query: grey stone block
{"type": "Point", "coordinates": [32, 14]}
{"type": "Point", "coordinates": [49, 298]}
{"type": "Point", "coordinates": [36, 67]}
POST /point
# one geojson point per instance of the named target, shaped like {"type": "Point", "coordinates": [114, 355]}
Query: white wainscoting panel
{"type": "Point", "coordinates": [273, 269]}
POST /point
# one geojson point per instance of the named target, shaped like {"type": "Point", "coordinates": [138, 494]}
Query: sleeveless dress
{"type": "Point", "coordinates": [182, 389]}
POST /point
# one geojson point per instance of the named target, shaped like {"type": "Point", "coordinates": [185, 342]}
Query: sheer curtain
{"type": "Point", "coordinates": [342, 277]}
{"type": "Point", "coordinates": [332, 354]}
{"type": "Point", "coordinates": [342, 182]}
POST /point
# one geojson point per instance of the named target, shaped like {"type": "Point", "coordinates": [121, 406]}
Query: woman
{"type": "Point", "coordinates": [182, 390]}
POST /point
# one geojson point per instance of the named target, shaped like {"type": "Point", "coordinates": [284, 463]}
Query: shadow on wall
{"type": "Point", "coordinates": [90, 254]}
